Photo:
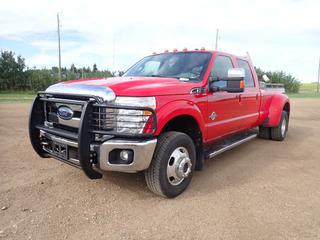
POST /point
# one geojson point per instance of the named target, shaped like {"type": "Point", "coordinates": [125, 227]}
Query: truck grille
{"type": "Point", "coordinates": [53, 118]}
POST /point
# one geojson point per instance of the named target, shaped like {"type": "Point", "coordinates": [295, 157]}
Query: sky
{"type": "Point", "coordinates": [278, 34]}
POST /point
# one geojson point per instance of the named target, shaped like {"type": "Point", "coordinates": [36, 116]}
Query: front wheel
{"type": "Point", "coordinates": [172, 166]}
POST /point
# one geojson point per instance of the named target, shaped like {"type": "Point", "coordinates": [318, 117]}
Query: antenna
{"type": "Point", "coordinates": [113, 51]}
{"type": "Point", "coordinates": [318, 77]}
{"type": "Point", "coordinates": [59, 47]}
{"type": "Point", "coordinates": [217, 38]}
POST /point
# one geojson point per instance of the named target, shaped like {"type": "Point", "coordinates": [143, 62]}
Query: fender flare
{"type": "Point", "coordinates": [276, 107]}
{"type": "Point", "coordinates": [179, 108]}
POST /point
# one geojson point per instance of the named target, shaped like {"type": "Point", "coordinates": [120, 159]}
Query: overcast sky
{"type": "Point", "coordinates": [279, 35]}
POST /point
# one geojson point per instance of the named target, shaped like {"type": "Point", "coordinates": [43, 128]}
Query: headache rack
{"type": "Point", "coordinates": [95, 119]}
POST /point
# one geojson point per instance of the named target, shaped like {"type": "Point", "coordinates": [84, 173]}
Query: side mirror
{"type": "Point", "coordinates": [265, 78]}
{"type": "Point", "coordinates": [234, 81]}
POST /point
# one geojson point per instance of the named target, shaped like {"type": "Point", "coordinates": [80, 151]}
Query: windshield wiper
{"type": "Point", "coordinates": [155, 75]}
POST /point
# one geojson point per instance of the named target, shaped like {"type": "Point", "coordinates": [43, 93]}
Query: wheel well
{"type": "Point", "coordinates": [287, 108]}
{"type": "Point", "coordinates": [188, 125]}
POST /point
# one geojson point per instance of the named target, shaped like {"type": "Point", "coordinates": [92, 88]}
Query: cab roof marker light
{"type": "Point", "coordinates": [185, 49]}
{"type": "Point", "coordinates": [175, 50]}
{"type": "Point", "coordinates": [202, 49]}
{"type": "Point", "coordinates": [166, 51]}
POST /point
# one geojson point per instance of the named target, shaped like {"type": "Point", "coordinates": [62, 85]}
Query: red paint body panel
{"type": "Point", "coordinates": [234, 111]}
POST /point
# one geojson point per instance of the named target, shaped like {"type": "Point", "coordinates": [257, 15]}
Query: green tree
{"type": "Point", "coordinates": [12, 76]}
{"type": "Point", "coordinates": [94, 68]}
{"type": "Point", "coordinates": [291, 84]}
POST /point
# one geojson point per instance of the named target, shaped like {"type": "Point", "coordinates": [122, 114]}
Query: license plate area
{"type": "Point", "coordinates": [60, 150]}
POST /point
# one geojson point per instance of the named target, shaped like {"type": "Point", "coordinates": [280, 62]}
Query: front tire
{"type": "Point", "coordinates": [172, 166]}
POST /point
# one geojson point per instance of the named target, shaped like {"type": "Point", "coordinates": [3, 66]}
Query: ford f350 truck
{"type": "Point", "coordinates": [165, 116]}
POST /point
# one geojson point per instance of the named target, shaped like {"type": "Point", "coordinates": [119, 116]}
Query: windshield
{"type": "Point", "coordinates": [185, 66]}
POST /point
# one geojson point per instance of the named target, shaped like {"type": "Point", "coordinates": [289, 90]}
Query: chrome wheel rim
{"type": "Point", "coordinates": [179, 166]}
{"type": "Point", "coordinates": [283, 127]}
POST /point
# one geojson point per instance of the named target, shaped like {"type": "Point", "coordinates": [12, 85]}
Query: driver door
{"type": "Point", "coordinates": [224, 109]}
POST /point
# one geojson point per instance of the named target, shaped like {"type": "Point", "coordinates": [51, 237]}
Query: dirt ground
{"type": "Point", "coordinates": [260, 190]}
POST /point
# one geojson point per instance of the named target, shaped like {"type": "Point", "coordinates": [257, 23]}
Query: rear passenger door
{"type": "Point", "coordinates": [250, 98]}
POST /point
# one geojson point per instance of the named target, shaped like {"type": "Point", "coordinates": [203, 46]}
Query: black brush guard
{"type": "Point", "coordinates": [86, 131]}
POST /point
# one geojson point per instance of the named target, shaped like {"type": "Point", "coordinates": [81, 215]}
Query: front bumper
{"type": "Point", "coordinates": [142, 152]}
{"type": "Point", "coordinates": [81, 149]}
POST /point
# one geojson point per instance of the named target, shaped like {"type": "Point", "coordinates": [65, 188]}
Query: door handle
{"type": "Point", "coordinates": [239, 97]}
{"type": "Point", "coordinates": [257, 96]}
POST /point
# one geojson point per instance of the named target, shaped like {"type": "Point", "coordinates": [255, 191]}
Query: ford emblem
{"type": "Point", "coordinates": [65, 112]}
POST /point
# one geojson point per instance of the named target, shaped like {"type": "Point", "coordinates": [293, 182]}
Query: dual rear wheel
{"type": "Point", "coordinates": [277, 133]}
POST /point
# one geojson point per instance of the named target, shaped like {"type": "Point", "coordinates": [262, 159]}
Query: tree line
{"type": "Point", "coordinates": [14, 75]}
{"type": "Point", "coordinates": [291, 84]}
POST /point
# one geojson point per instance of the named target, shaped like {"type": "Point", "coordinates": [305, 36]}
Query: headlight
{"type": "Point", "coordinates": [133, 121]}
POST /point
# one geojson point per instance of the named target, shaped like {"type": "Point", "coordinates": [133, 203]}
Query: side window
{"type": "Point", "coordinates": [248, 74]}
{"type": "Point", "coordinates": [220, 68]}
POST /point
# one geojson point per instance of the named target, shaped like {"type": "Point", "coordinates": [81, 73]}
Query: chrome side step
{"type": "Point", "coordinates": [224, 148]}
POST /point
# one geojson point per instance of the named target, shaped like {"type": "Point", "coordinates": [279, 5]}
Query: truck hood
{"type": "Point", "coordinates": [139, 86]}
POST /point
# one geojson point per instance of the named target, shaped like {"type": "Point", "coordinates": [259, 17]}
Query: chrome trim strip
{"type": "Point", "coordinates": [215, 153]}
{"type": "Point", "coordinates": [74, 161]}
{"type": "Point", "coordinates": [74, 107]}
{"type": "Point", "coordinates": [58, 139]}
{"type": "Point", "coordinates": [73, 122]}
{"type": "Point", "coordinates": [143, 153]}
{"type": "Point", "coordinates": [103, 93]}
{"type": "Point", "coordinates": [234, 119]}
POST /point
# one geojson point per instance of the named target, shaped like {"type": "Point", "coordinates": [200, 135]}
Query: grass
{"type": "Point", "coordinates": [17, 96]}
{"type": "Point", "coordinates": [307, 90]}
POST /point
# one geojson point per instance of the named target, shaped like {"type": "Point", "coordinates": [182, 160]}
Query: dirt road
{"type": "Point", "coordinates": [260, 190]}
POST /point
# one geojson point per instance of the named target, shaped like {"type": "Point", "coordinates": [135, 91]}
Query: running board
{"type": "Point", "coordinates": [222, 148]}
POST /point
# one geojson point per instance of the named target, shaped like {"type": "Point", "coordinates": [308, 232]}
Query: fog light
{"type": "Point", "coordinates": [121, 156]}
{"type": "Point", "coordinates": [124, 155]}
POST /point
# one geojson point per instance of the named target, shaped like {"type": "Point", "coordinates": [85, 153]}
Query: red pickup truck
{"type": "Point", "coordinates": [165, 116]}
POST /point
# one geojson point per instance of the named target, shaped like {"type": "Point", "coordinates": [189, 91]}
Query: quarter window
{"type": "Point", "coordinates": [248, 74]}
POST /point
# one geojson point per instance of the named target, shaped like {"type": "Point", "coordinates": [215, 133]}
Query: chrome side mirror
{"type": "Point", "coordinates": [236, 74]}
{"type": "Point", "coordinates": [265, 78]}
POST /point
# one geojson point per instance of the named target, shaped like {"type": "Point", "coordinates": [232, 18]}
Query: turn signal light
{"type": "Point", "coordinates": [242, 84]}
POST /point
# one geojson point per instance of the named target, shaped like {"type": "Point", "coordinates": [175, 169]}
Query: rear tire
{"type": "Point", "coordinates": [279, 133]}
{"type": "Point", "coordinates": [172, 166]}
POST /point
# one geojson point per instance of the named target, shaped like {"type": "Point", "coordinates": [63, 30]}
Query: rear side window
{"type": "Point", "coordinates": [219, 71]}
{"type": "Point", "coordinates": [248, 77]}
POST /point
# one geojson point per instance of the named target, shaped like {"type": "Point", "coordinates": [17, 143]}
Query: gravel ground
{"type": "Point", "coordinates": [260, 190]}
